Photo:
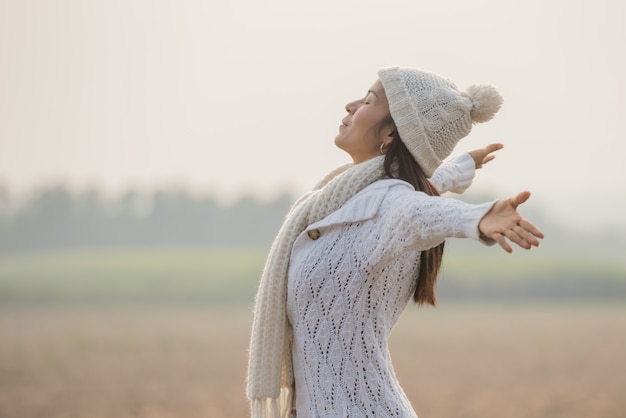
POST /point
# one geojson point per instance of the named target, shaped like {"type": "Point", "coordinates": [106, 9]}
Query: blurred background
{"type": "Point", "coordinates": [149, 151]}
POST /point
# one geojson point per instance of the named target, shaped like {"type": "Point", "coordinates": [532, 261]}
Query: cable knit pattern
{"type": "Point", "coordinates": [347, 289]}
{"type": "Point", "coordinates": [429, 111]}
{"type": "Point", "coordinates": [432, 114]}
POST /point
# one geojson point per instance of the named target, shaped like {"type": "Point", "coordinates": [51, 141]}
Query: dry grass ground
{"type": "Point", "coordinates": [454, 362]}
{"type": "Point", "coordinates": [514, 363]}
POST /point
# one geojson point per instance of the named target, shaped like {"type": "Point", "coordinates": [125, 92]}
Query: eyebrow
{"type": "Point", "coordinates": [373, 92]}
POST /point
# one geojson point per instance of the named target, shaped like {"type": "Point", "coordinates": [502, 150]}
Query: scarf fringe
{"type": "Point", "coordinates": [281, 407]}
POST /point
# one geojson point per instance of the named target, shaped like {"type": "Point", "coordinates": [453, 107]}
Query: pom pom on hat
{"type": "Point", "coordinates": [486, 101]}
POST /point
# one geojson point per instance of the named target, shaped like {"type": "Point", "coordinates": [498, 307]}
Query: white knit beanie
{"type": "Point", "coordinates": [431, 114]}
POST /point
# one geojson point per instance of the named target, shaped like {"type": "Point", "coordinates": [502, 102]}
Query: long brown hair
{"type": "Point", "coordinates": [401, 165]}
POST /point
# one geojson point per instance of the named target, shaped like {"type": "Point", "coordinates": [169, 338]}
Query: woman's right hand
{"type": "Point", "coordinates": [503, 221]}
{"type": "Point", "coordinates": [482, 156]}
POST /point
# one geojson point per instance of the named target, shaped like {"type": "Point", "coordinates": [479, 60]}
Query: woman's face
{"type": "Point", "coordinates": [358, 134]}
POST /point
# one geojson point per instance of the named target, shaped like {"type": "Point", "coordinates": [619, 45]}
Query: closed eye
{"type": "Point", "coordinates": [365, 99]}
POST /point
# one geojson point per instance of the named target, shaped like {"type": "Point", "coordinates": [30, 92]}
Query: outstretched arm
{"type": "Point", "coordinates": [503, 220]}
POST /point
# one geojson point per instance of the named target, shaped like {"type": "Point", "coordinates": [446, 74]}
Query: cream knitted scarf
{"type": "Point", "coordinates": [270, 372]}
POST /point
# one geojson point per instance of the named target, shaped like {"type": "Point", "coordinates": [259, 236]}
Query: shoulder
{"type": "Point", "coordinates": [390, 190]}
{"type": "Point", "coordinates": [367, 203]}
{"type": "Point", "coordinates": [387, 187]}
{"type": "Point", "coordinates": [380, 194]}
{"type": "Point", "coordinates": [380, 191]}
{"type": "Point", "coordinates": [398, 198]}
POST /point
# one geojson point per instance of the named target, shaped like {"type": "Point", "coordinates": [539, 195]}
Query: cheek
{"type": "Point", "coordinates": [366, 122]}
{"type": "Point", "coordinates": [364, 119]}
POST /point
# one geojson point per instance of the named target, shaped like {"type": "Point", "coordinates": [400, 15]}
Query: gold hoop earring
{"type": "Point", "coordinates": [382, 151]}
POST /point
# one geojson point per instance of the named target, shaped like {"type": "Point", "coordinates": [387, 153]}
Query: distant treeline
{"type": "Point", "coordinates": [155, 233]}
{"type": "Point", "coordinates": [56, 217]}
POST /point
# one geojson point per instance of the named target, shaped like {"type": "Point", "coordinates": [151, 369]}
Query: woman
{"type": "Point", "coordinates": [353, 252]}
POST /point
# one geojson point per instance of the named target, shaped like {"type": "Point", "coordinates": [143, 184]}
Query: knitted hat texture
{"type": "Point", "coordinates": [431, 114]}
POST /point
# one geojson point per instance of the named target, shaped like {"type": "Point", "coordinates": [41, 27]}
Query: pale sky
{"type": "Point", "coordinates": [237, 97]}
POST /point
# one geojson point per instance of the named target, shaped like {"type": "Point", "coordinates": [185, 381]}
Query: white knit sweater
{"type": "Point", "coordinates": [270, 372]}
{"type": "Point", "coordinates": [350, 280]}
{"type": "Point", "coordinates": [347, 289]}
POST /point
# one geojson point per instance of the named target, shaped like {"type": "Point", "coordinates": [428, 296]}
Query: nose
{"type": "Point", "coordinates": [351, 107]}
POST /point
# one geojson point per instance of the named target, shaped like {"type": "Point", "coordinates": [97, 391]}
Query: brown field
{"type": "Point", "coordinates": [454, 362]}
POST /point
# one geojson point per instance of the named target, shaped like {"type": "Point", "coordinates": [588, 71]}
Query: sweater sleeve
{"type": "Point", "coordinates": [455, 175]}
{"type": "Point", "coordinates": [427, 221]}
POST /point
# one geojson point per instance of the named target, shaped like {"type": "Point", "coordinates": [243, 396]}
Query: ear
{"type": "Point", "coordinates": [390, 133]}
{"type": "Point", "coordinates": [387, 131]}
{"type": "Point", "coordinates": [388, 140]}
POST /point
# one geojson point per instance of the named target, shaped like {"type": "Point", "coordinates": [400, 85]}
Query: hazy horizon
{"type": "Point", "coordinates": [246, 97]}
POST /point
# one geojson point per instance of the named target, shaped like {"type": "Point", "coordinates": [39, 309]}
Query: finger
{"type": "Point", "coordinates": [517, 239]}
{"type": "Point", "coordinates": [520, 198]}
{"type": "Point", "coordinates": [502, 242]}
{"type": "Point", "coordinates": [493, 147]}
{"type": "Point", "coordinates": [488, 158]}
{"type": "Point", "coordinates": [526, 235]}
{"type": "Point", "coordinates": [532, 229]}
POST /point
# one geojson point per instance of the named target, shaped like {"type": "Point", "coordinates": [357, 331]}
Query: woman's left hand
{"type": "Point", "coordinates": [503, 221]}
{"type": "Point", "coordinates": [482, 156]}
